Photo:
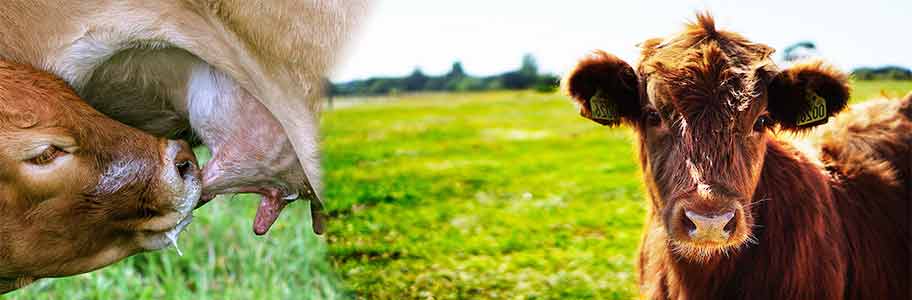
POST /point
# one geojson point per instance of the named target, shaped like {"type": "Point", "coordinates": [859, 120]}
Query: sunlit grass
{"type": "Point", "coordinates": [473, 196]}
{"type": "Point", "coordinates": [864, 90]}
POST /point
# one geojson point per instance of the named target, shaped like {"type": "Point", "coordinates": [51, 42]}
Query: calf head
{"type": "Point", "coordinates": [79, 191]}
{"type": "Point", "coordinates": [704, 104]}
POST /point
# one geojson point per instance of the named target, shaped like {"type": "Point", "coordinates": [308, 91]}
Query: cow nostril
{"type": "Point", "coordinates": [180, 156]}
{"type": "Point", "coordinates": [688, 224]}
{"type": "Point", "coordinates": [730, 226]}
{"type": "Point", "coordinates": [184, 168]}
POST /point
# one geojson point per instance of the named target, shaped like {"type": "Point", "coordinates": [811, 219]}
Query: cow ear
{"type": "Point", "coordinates": [807, 94]}
{"type": "Point", "coordinates": [605, 88]}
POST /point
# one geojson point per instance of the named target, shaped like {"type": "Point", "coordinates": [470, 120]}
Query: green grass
{"type": "Point", "coordinates": [864, 90]}
{"type": "Point", "coordinates": [487, 195]}
{"type": "Point", "coordinates": [439, 196]}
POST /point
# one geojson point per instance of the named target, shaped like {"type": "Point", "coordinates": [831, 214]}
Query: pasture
{"type": "Point", "coordinates": [498, 195]}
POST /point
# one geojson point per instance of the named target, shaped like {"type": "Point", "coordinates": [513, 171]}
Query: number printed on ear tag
{"type": "Point", "coordinates": [602, 108]}
{"type": "Point", "coordinates": [816, 112]}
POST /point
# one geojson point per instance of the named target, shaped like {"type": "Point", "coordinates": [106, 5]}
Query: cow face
{"type": "Point", "coordinates": [704, 104]}
{"type": "Point", "coordinates": [78, 190]}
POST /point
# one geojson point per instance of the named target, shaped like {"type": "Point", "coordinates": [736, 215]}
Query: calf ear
{"type": "Point", "coordinates": [605, 88]}
{"type": "Point", "coordinates": [807, 94]}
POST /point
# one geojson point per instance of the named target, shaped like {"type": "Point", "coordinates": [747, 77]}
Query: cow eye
{"type": "Point", "coordinates": [762, 123]}
{"type": "Point", "coordinates": [47, 156]}
{"type": "Point", "coordinates": [653, 118]}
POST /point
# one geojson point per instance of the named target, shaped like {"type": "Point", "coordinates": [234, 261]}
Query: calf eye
{"type": "Point", "coordinates": [653, 118]}
{"type": "Point", "coordinates": [47, 156]}
{"type": "Point", "coordinates": [762, 123]}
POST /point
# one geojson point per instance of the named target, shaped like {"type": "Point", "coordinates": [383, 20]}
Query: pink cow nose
{"type": "Point", "coordinates": [709, 228]}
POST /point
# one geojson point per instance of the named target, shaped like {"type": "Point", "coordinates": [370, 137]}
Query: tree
{"type": "Point", "coordinates": [547, 83]}
{"type": "Point", "coordinates": [799, 51]}
{"type": "Point", "coordinates": [529, 66]}
{"type": "Point", "coordinates": [454, 79]}
{"type": "Point", "coordinates": [882, 73]}
{"type": "Point", "coordinates": [456, 71]}
{"type": "Point", "coordinates": [416, 81]}
{"type": "Point", "coordinates": [526, 77]}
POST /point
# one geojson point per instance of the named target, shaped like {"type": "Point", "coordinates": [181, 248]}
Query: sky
{"type": "Point", "coordinates": [491, 36]}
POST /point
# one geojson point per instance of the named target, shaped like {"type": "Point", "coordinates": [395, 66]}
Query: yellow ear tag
{"type": "Point", "coordinates": [602, 108]}
{"type": "Point", "coordinates": [817, 110]}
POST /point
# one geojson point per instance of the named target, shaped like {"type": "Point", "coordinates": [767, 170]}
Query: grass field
{"type": "Point", "coordinates": [502, 195]}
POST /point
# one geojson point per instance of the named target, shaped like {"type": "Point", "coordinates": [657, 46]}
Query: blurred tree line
{"type": "Point", "coordinates": [456, 80]}
{"type": "Point", "coordinates": [807, 49]}
{"type": "Point", "coordinates": [882, 73]}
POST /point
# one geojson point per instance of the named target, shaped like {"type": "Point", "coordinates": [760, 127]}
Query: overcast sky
{"type": "Point", "coordinates": [490, 36]}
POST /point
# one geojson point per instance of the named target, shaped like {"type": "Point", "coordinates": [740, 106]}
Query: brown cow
{"type": "Point", "coordinates": [79, 191]}
{"type": "Point", "coordinates": [738, 211]}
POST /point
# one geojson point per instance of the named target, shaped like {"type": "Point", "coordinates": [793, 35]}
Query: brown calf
{"type": "Point", "coordinates": [79, 191]}
{"type": "Point", "coordinates": [737, 211]}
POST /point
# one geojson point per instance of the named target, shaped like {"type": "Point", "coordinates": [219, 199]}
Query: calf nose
{"type": "Point", "coordinates": [709, 228]}
{"type": "Point", "coordinates": [180, 175]}
{"type": "Point", "coordinates": [182, 158]}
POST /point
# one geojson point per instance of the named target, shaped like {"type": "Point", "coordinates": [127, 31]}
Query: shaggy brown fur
{"type": "Point", "coordinates": [830, 221]}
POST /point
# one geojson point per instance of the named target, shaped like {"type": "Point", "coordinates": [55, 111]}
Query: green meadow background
{"type": "Point", "coordinates": [493, 195]}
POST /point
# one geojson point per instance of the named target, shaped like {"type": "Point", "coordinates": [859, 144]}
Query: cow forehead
{"type": "Point", "coordinates": [38, 111]}
{"type": "Point", "coordinates": [29, 97]}
{"type": "Point", "coordinates": [17, 116]}
{"type": "Point", "coordinates": [707, 84]}
{"type": "Point", "coordinates": [704, 69]}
